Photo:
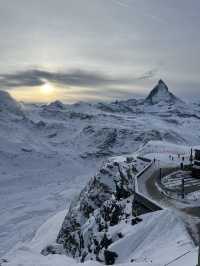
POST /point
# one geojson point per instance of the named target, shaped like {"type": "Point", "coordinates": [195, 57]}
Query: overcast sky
{"type": "Point", "coordinates": [98, 49]}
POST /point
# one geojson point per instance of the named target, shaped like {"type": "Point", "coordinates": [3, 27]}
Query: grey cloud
{"type": "Point", "coordinates": [120, 3]}
{"type": "Point", "coordinates": [81, 78]}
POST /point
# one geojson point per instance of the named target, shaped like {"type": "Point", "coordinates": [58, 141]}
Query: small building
{"type": "Point", "coordinates": [196, 164]}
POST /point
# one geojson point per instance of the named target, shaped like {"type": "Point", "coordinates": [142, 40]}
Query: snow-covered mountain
{"type": "Point", "coordinates": [161, 93]}
{"type": "Point", "coordinates": [105, 223]}
{"type": "Point", "coordinates": [48, 152]}
{"type": "Point", "coordinates": [8, 104]}
{"type": "Point", "coordinates": [107, 200]}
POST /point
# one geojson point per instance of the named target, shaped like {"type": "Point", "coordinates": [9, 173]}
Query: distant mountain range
{"type": "Point", "coordinates": [160, 93]}
{"type": "Point", "coordinates": [102, 129]}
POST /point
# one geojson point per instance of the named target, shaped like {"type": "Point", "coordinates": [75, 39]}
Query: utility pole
{"type": "Point", "coordinates": [191, 156]}
{"type": "Point", "coordinates": [183, 189]}
{"type": "Point", "coordinates": [199, 252]}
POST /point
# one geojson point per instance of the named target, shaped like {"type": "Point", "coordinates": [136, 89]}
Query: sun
{"type": "Point", "coordinates": [47, 88]}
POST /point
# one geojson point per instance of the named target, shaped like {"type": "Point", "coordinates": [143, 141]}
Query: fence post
{"type": "Point", "coordinates": [183, 188]}
{"type": "Point", "coordinates": [199, 252]}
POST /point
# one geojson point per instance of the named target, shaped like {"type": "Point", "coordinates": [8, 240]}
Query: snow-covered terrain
{"type": "Point", "coordinates": [49, 152]}
{"type": "Point", "coordinates": [163, 240]}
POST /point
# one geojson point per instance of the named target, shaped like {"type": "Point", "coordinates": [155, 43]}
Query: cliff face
{"type": "Point", "coordinates": [103, 203]}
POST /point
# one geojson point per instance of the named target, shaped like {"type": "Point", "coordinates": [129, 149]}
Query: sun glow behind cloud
{"type": "Point", "coordinates": [41, 94]}
{"type": "Point", "coordinates": [47, 89]}
{"type": "Point", "coordinates": [49, 92]}
{"type": "Point", "coordinates": [36, 85]}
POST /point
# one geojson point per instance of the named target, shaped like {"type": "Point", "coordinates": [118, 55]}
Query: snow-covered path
{"type": "Point", "coordinates": [144, 178]}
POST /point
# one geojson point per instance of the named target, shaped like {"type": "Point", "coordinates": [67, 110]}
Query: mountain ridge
{"type": "Point", "coordinates": [159, 93]}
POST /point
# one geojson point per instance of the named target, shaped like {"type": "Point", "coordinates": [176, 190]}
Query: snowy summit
{"type": "Point", "coordinates": [7, 103]}
{"type": "Point", "coordinates": [161, 93]}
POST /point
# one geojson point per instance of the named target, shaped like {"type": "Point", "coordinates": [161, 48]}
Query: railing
{"type": "Point", "coordinates": [145, 201]}
{"type": "Point", "coordinates": [178, 258]}
{"type": "Point", "coordinates": [142, 172]}
{"type": "Point", "coordinates": [144, 159]}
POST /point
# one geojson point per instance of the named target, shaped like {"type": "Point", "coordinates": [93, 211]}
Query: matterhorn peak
{"type": "Point", "coordinates": [161, 93]}
{"type": "Point", "coordinates": [162, 83]}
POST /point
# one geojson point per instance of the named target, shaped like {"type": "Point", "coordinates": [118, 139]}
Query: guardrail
{"type": "Point", "coordinates": [147, 203]}
{"type": "Point", "coordinates": [178, 258]}
{"type": "Point", "coordinates": [144, 159]}
{"type": "Point", "coordinates": [139, 197]}
{"type": "Point", "coordinates": [142, 172]}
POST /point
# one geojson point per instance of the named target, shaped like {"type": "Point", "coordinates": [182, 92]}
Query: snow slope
{"type": "Point", "coordinates": [163, 240]}
{"type": "Point", "coordinates": [159, 239]}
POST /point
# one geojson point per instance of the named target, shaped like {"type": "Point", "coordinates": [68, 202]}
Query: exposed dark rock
{"type": "Point", "coordinates": [161, 93]}
{"type": "Point", "coordinates": [101, 205]}
{"type": "Point", "coordinates": [110, 257]}
{"type": "Point", "coordinates": [26, 150]}
{"type": "Point", "coordinates": [52, 249]}
{"type": "Point", "coordinates": [53, 135]}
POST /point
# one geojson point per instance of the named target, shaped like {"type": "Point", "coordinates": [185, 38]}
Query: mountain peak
{"type": "Point", "coordinates": [56, 104]}
{"type": "Point", "coordinates": [161, 93]}
{"type": "Point", "coordinates": [7, 103]}
{"type": "Point", "coordinates": [162, 83]}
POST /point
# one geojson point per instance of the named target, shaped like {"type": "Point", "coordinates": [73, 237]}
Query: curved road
{"type": "Point", "coordinates": [190, 215]}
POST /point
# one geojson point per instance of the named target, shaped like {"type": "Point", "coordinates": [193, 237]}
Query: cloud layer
{"type": "Point", "coordinates": [79, 78]}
